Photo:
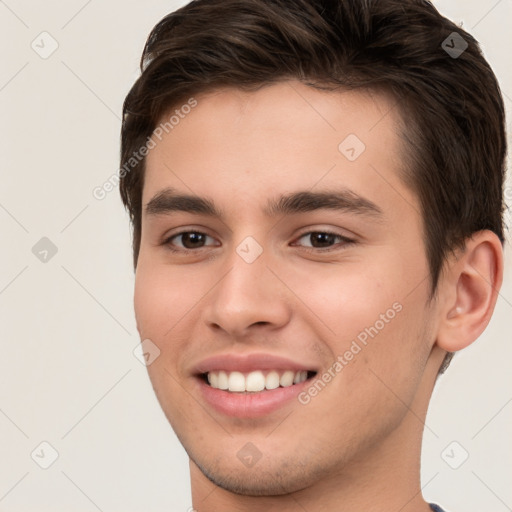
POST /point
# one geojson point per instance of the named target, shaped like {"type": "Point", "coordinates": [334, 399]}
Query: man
{"type": "Point", "coordinates": [315, 189]}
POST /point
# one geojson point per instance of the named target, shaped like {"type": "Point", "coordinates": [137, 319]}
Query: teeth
{"type": "Point", "coordinates": [272, 380]}
{"type": "Point", "coordinates": [236, 381]}
{"type": "Point", "coordinates": [297, 378]}
{"type": "Point", "coordinates": [213, 379]}
{"type": "Point", "coordinates": [222, 381]}
{"type": "Point", "coordinates": [256, 381]}
{"type": "Point", "coordinates": [287, 379]}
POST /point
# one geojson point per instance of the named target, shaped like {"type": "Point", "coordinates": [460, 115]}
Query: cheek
{"type": "Point", "coordinates": [345, 299]}
{"type": "Point", "coordinates": [159, 301]}
{"type": "Point", "coordinates": [367, 315]}
{"type": "Point", "coordinates": [161, 308]}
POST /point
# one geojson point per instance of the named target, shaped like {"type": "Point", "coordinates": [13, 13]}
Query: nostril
{"type": "Point", "coordinates": [261, 323]}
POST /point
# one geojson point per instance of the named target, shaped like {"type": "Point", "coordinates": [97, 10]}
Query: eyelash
{"type": "Point", "coordinates": [346, 241]}
{"type": "Point", "coordinates": [342, 239]}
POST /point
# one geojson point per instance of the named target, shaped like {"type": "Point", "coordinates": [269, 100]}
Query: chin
{"type": "Point", "coordinates": [256, 482]}
{"type": "Point", "coordinates": [263, 479]}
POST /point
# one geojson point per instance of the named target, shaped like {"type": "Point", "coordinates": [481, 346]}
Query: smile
{"type": "Point", "coordinates": [251, 385]}
{"type": "Point", "coordinates": [255, 381]}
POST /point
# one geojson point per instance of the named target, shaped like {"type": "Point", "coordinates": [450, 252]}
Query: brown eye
{"type": "Point", "coordinates": [324, 240]}
{"type": "Point", "coordinates": [189, 240]}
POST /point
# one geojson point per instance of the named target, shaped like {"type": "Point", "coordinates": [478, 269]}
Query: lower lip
{"type": "Point", "coordinates": [250, 405]}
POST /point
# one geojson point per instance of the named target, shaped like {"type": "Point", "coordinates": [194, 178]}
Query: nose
{"type": "Point", "coordinates": [249, 297]}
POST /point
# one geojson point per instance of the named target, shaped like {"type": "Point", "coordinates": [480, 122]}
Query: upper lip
{"type": "Point", "coordinates": [249, 362]}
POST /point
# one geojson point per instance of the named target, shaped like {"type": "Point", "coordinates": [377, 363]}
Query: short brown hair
{"type": "Point", "coordinates": [449, 101]}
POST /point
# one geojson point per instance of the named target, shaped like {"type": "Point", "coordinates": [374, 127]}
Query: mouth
{"type": "Point", "coordinates": [251, 385]}
{"type": "Point", "coordinates": [256, 394]}
{"type": "Point", "coordinates": [258, 381]}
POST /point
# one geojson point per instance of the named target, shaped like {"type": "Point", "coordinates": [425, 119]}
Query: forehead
{"type": "Point", "coordinates": [282, 137]}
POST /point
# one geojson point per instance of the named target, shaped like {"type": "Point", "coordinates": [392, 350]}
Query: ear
{"type": "Point", "coordinates": [469, 289]}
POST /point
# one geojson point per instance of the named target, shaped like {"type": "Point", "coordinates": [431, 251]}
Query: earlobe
{"type": "Point", "coordinates": [474, 279]}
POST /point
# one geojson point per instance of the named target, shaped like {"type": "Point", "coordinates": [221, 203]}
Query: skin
{"type": "Point", "coordinates": [356, 445]}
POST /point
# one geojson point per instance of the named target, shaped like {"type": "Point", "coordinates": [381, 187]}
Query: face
{"type": "Point", "coordinates": [297, 254]}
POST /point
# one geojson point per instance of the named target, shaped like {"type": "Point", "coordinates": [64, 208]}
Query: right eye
{"type": "Point", "coordinates": [187, 240]}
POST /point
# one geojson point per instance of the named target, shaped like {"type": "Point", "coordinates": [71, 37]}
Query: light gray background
{"type": "Point", "coordinates": [68, 375]}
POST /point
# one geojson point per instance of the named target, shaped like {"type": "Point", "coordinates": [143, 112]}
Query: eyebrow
{"type": "Point", "coordinates": [169, 200]}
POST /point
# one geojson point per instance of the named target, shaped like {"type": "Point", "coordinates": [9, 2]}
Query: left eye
{"type": "Point", "coordinates": [190, 239]}
{"type": "Point", "coordinates": [323, 239]}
